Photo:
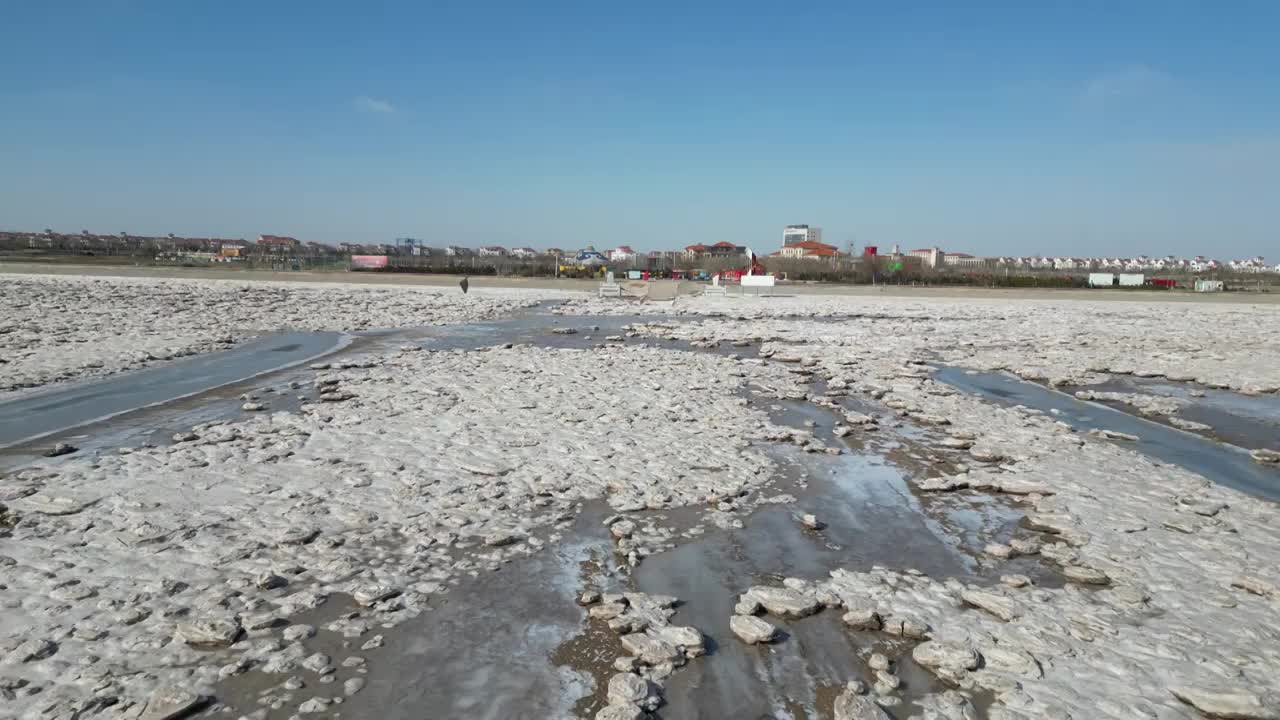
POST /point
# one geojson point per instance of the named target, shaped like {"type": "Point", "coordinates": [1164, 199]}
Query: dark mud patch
{"type": "Point", "coordinates": [591, 653]}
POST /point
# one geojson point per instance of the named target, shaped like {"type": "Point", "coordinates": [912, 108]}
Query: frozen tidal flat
{"type": "Point", "coordinates": [139, 581]}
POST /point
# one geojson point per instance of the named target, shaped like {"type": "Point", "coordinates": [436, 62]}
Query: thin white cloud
{"type": "Point", "coordinates": [373, 105]}
{"type": "Point", "coordinates": [1133, 81]}
{"type": "Point", "coordinates": [1241, 158]}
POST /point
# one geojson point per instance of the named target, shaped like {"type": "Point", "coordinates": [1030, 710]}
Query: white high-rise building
{"type": "Point", "coordinates": [793, 234]}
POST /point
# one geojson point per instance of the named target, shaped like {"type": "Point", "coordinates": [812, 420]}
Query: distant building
{"type": "Point", "coordinates": [664, 258]}
{"type": "Point", "coordinates": [930, 257]}
{"type": "Point", "coordinates": [719, 250]}
{"type": "Point", "coordinates": [726, 249]}
{"type": "Point", "coordinates": [278, 242]}
{"type": "Point", "coordinates": [458, 251]}
{"type": "Point", "coordinates": [623, 254]}
{"type": "Point", "coordinates": [589, 256]}
{"type": "Point", "coordinates": [793, 234]}
{"type": "Point", "coordinates": [409, 246]}
{"type": "Point", "coordinates": [963, 260]}
{"type": "Point", "coordinates": [523, 252]}
{"type": "Point", "coordinates": [808, 250]}
{"type": "Point", "coordinates": [553, 251]}
{"type": "Point", "coordinates": [491, 251]}
{"type": "Point", "coordinates": [1256, 264]}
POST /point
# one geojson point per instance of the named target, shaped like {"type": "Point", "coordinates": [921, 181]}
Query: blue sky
{"type": "Point", "coordinates": [989, 127]}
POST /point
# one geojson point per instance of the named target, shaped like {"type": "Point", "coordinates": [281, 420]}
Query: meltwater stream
{"type": "Point", "coordinates": [48, 411]}
{"type": "Point", "coordinates": [1223, 464]}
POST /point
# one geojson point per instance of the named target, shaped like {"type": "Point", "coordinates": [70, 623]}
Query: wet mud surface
{"type": "Point", "coordinates": [488, 650]}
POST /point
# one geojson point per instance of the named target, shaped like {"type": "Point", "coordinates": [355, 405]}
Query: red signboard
{"type": "Point", "coordinates": [365, 262]}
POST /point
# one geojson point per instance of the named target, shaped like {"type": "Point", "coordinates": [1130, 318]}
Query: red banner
{"type": "Point", "coordinates": [362, 262]}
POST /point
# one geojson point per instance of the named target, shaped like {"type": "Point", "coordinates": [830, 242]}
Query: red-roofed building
{"type": "Point", "coordinates": [278, 242]}
{"type": "Point", "coordinates": [719, 250]}
{"type": "Point", "coordinates": [622, 253]}
{"type": "Point", "coordinates": [808, 249]}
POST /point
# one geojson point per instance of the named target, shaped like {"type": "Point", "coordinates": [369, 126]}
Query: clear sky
{"type": "Point", "coordinates": [1139, 126]}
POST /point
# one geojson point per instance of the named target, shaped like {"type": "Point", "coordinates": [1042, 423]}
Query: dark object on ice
{"type": "Point", "coordinates": [466, 283]}
{"type": "Point", "coordinates": [61, 449]}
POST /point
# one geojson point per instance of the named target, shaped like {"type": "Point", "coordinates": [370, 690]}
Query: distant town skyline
{"type": "Point", "coordinates": [1144, 128]}
{"type": "Point", "coordinates": [798, 242]}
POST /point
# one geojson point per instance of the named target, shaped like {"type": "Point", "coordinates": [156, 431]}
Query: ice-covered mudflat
{"type": "Point", "coordinates": [185, 563]}
{"type": "Point", "coordinates": [1173, 599]}
{"type": "Point", "coordinates": [58, 327]}
{"type": "Point", "coordinates": [135, 582]}
{"type": "Point", "coordinates": [1062, 342]}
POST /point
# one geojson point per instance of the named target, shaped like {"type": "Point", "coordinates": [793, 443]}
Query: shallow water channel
{"type": "Point", "coordinates": [147, 406]}
{"type": "Point", "coordinates": [1249, 421]}
{"type": "Point", "coordinates": [1219, 462]}
{"type": "Point", "coordinates": [45, 412]}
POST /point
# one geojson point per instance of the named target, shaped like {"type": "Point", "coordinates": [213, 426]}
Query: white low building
{"type": "Point", "coordinates": [622, 254]}
{"type": "Point", "coordinates": [931, 257]}
{"type": "Point", "coordinates": [963, 260]}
